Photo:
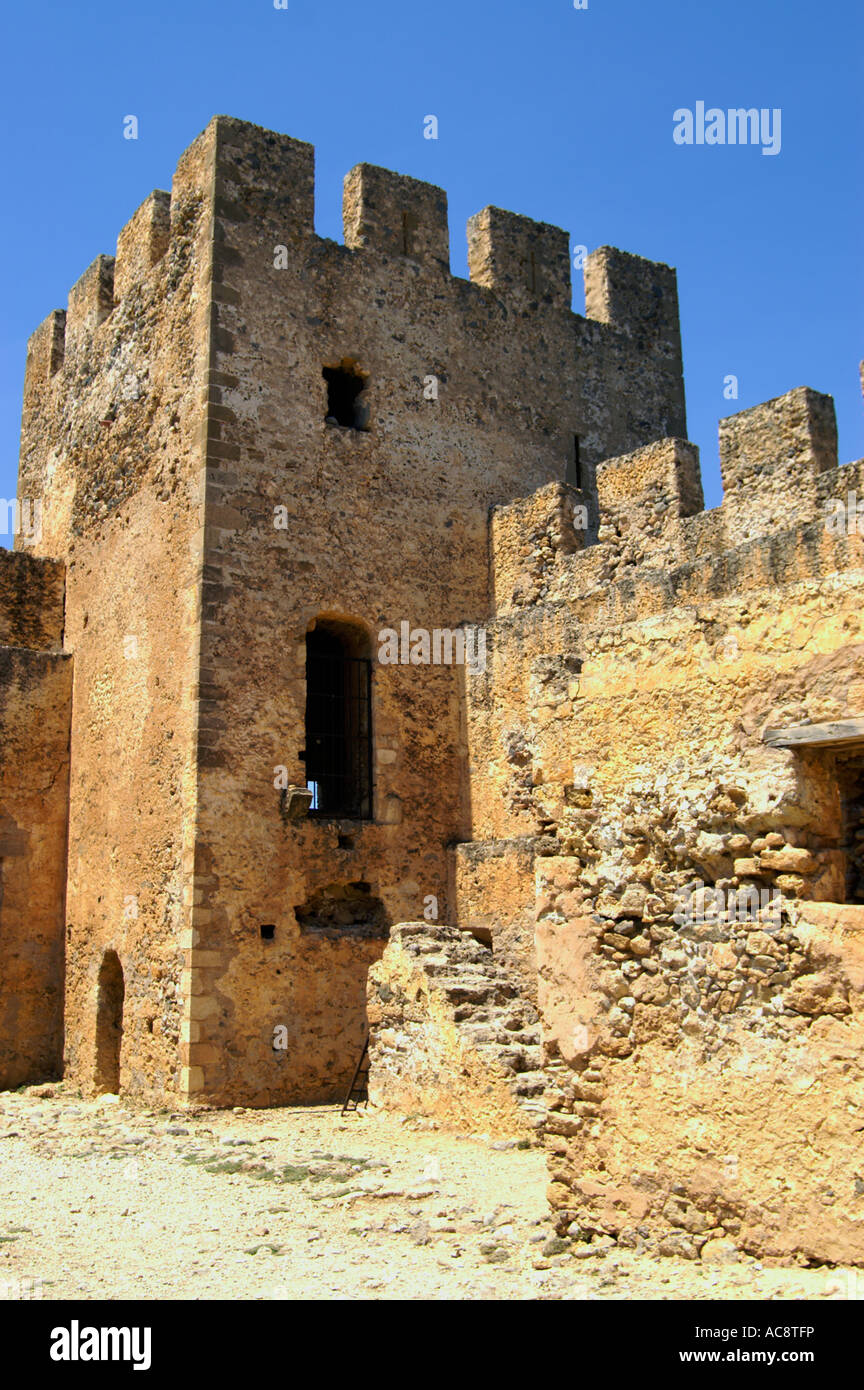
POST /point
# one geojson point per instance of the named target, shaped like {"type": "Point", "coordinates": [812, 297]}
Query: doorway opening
{"type": "Point", "coordinates": [110, 995]}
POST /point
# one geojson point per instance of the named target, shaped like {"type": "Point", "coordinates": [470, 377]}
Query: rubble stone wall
{"type": "Point", "coordinates": [699, 971]}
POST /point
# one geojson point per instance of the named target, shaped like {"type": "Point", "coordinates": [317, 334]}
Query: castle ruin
{"type": "Point", "coordinates": [603, 889]}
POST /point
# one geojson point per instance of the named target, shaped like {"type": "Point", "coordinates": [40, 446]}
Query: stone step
{"type": "Point", "coordinates": [489, 1030]}
{"type": "Point", "coordinates": [480, 991]}
{"type": "Point", "coordinates": [530, 1084]}
{"type": "Point", "coordinates": [444, 966]}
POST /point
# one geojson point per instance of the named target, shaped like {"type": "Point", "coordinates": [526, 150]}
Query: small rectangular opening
{"type": "Point", "coordinates": [345, 387]}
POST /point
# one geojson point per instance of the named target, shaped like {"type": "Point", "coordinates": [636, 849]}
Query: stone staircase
{"type": "Point", "coordinates": [442, 1006]}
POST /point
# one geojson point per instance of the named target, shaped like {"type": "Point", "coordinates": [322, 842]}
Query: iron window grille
{"type": "Point", "coordinates": [338, 729]}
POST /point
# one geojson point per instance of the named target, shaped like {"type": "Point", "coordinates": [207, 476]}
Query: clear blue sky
{"type": "Point", "coordinates": [562, 114]}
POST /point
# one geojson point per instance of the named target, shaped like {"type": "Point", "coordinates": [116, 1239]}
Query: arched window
{"type": "Point", "coordinates": [339, 720]}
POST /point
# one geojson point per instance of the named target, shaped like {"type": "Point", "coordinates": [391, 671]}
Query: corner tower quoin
{"type": "Point", "coordinates": [111, 447]}
{"type": "Point", "coordinates": [196, 360]}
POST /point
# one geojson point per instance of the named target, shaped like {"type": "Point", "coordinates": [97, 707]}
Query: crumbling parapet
{"type": "Point", "coordinates": [642, 499]}
{"type": "Point", "coordinates": [643, 542]}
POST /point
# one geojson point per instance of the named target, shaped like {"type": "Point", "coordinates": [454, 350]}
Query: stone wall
{"type": "Point", "coordinates": [32, 593]}
{"type": "Point", "coordinates": [494, 895]}
{"type": "Point", "coordinates": [171, 412]}
{"type": "Point", "coordinates": [35, 702]}
{"type": "Point", "coordinates": [699, 974]}
{"type": "Point", "coordinates": [596, 804]}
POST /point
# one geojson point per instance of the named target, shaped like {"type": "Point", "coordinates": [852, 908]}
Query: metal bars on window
{"type": "Point", "coordinates": [338, 730]}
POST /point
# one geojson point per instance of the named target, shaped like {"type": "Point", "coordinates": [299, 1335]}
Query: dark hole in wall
{"type": "Point", "coordinates": [268, 931]}
{"type": "Point", "coordinates": [343, 909]}
{"type": "Point", "coordinates": [345, 387]}
{"type": "Point", "coordinates": [577, 461]}
{"type": "Point", "coordinates": [573, 471]}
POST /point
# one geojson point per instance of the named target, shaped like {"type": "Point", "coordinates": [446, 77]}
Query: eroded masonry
{"type": "Point", "coordinates": [603, 888]}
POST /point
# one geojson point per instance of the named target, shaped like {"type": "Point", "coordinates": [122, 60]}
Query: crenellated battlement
{"type": "Point", "coordinates": [240, 217]}
{"type": "Point", "coordinates": [91, 300]}
{"type": "Point", "coordinates": [251, 176]}
{"type": "Point", "coordinates": [771, 457]}
{"type": "Point", "coordinates": [109, 280]}
{"type": "Point", "coordinates": [635, 296]}
{"type": "Point", "coordinates": [655, 545]}
{"type": "Point", "coordinates": [46, 350]}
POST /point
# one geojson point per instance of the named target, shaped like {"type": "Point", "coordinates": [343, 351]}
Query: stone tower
{"type": "Point", "coordinates": [254, 449]}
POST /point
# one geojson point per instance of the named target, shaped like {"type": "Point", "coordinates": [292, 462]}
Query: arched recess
{"type": "Point", "coordinates": [110, 993]}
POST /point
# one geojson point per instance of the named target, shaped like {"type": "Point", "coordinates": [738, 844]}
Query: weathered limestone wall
{"type": "Point", "coordinates": [729, 1107]}
{"type": "Point", "coordinates": [35, 698]}
{"type": "Point", "coordinates": [704, 1056]}
{"type": "Point", "coordinates": [771, 459]}
{"type": "Point", "coordinates": [111, 446]}
{"type": "Point", "coordinates": [378, 526]}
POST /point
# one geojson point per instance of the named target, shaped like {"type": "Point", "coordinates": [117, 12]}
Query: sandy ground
{"type": "Point", "coordinates": [101, 1201]}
